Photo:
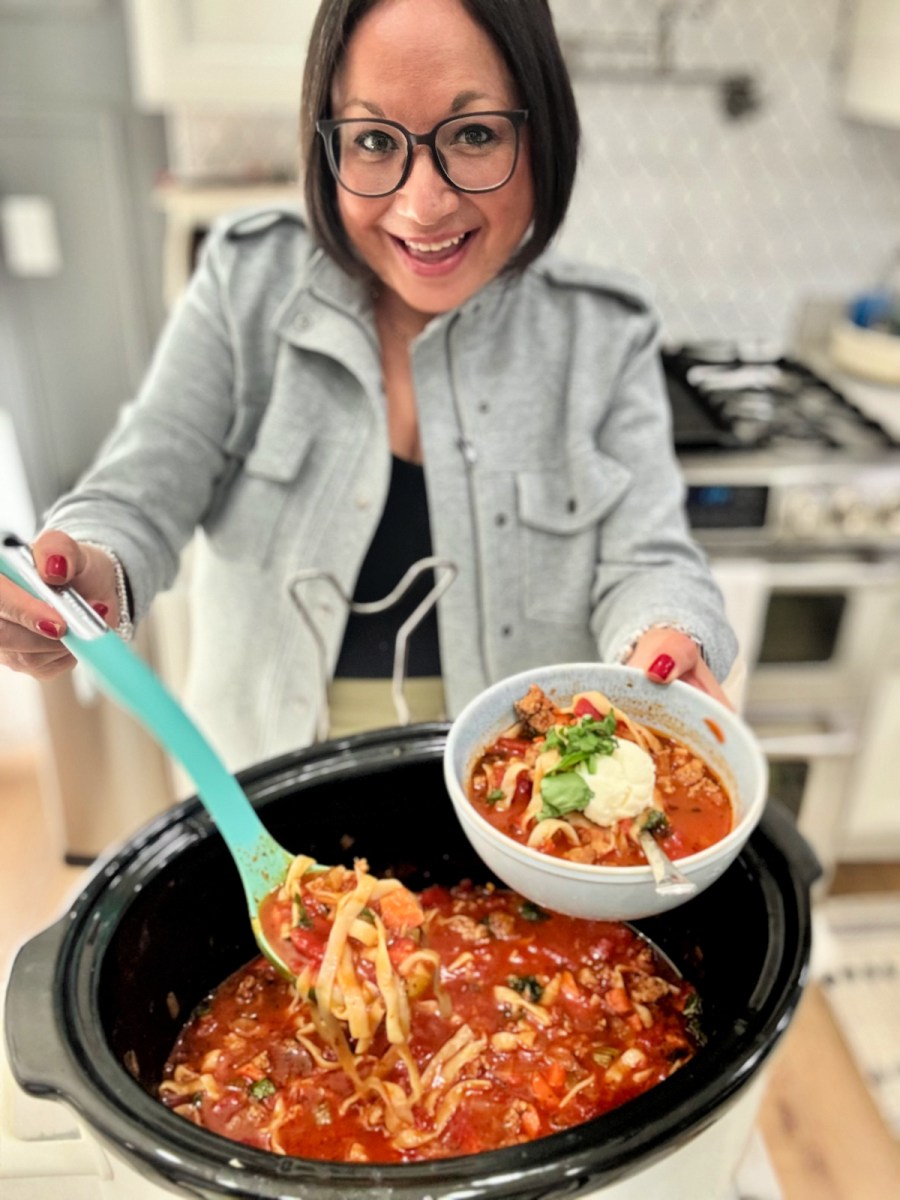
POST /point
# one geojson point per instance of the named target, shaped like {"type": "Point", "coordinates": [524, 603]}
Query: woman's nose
{"type": "Point", "coordinates": [426, 197]}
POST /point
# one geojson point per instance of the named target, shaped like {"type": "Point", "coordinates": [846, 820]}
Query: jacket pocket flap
{"type": "Point", "coordinates": [279, 450]}
{"type": "Point", "coordinates": [567, 499]}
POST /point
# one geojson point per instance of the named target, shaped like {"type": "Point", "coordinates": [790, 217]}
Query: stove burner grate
{"type": "Point", "coordinates": [728, 403]}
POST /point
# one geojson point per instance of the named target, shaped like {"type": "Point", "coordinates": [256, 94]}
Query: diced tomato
{"type": "Point", "coordinates": [511, 747]}
{"type": "Point", "coordinates": [584, 708]}
{"type": "Point", "coordinates": [400, 909]}
{"type": "Point", "coordinates": [308, 944]}
{"type": "Point", "coordinates": [524, 784]}
{"type": "Point", "coordinates": [399, 948]}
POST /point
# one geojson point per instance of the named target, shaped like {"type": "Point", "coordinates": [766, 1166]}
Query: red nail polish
{"type": "Point", "coordinates": [662, 666]}
{"type": "Point", "coordinates": [100, 608]}
{"type": "Point", "coordinates": [48, 628]}
{"type": "Point", "coordinates": [57, 567]}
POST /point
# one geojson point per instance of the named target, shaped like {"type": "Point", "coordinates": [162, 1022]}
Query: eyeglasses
{"type": "Point", "coordinates": [473, 153]}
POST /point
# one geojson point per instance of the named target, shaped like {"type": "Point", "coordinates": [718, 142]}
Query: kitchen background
{"type": "Point", "coordinates": [743, 156]}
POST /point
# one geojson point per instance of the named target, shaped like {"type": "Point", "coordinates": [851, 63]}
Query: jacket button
{"type": "Point", "coordinates": [500, 519]}
{"type": "Point", "coordinates": [506, 630]}
{"type": "Point", "coordinates": [301, 323]}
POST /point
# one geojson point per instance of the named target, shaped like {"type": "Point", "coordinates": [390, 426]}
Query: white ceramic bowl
{"type": "Point", "coordinates": [597, 892]}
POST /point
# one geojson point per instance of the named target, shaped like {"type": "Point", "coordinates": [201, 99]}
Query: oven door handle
{"type": "Point", "coordinates": [839, 741]}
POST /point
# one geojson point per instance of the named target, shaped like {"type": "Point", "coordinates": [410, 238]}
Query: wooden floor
{"type": "Point", "coordinates": [823, 1133]}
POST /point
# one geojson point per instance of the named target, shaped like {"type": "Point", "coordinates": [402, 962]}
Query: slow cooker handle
{"type": "Point", "coordinates": [37, 1054]}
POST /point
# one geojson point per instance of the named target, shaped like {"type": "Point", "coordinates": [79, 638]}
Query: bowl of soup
{"type": "Point", "coordinates": [555, 773]}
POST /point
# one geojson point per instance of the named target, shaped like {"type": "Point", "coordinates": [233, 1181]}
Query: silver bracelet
{"type": "Point", "coordinates": [625, 654]}
{"type": "Point", "coordinates": [125, 627]}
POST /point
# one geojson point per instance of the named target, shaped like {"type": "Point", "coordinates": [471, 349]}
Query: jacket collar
{"type": "Point", "coordinates": [326, 309]}
{"type": "Point", "coordinates": [330, 312]}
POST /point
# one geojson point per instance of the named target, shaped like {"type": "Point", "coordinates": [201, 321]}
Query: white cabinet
{"type": "Point", "coordinates": [872, 827]}
{"type": "Point", "coordinates": [197, 53]}
{"type": "Point", "coordinates": [872, 62]}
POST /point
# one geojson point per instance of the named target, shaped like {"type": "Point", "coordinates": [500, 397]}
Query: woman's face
{"type": "Point", "coordinates": [417, 62]}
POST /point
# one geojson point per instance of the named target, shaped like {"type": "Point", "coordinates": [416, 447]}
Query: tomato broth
{"type": "Point", "coordinates": [552, 1021]}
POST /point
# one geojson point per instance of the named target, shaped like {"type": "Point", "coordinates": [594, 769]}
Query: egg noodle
{"type": "Point", "coordinates": [347, 1002]}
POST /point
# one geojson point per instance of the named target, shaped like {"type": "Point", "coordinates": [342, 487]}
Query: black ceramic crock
{"type": "Point", "coordinates": [95, 1002]}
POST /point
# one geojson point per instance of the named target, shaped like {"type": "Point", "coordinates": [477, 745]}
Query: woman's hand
{"type": "Point", "coordinates": [30, 629]}
{"type": "Point", "coordinates": [666, 654]}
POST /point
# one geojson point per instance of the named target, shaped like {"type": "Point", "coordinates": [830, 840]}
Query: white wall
{"type": "Point", "coordinates": [732, 222]}
{"type": "Point", "coordinates": [21, 711]}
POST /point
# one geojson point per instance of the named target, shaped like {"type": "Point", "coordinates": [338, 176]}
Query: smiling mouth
{"type": "Point", "coordinates": [434, 251]}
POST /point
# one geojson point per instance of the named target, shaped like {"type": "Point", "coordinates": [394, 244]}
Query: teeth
{"type": "Point", "coordinates": [434, 247]}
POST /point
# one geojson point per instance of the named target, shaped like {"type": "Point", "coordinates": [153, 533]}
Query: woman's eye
{"type": "Point", "coordinates": [375, 141]}
{"type": "Point", "coordinates": [475, 135]}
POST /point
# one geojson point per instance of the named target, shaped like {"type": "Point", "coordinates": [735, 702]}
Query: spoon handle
{"type": "Point", "coordinates": [669, 880]}
{"type": "Point", "coordinates": [124, 676]}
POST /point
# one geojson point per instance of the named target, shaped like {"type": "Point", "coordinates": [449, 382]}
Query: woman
{"type": "Point", "coordinates": [416, 320]}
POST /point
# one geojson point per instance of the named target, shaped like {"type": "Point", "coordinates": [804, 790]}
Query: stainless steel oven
{"type": "Point", "coordinates": [795, 495]}
{"type": "Point", "coordinates": [823, 694]}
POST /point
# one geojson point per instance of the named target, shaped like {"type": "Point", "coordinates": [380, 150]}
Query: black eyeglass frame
{"type": "Point", "coordinates": [326, 127]}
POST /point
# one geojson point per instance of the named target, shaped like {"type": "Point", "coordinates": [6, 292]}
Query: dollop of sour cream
{"type": "Point", "coordinates": [621, 786]}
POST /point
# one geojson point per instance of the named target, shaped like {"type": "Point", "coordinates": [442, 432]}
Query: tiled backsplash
{"type": "Point", "coordinates": [731, 221]}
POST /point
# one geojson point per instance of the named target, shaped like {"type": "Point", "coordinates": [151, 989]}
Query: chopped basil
{"type": "Point", "coordinates": [262, 1088]}
{"type": "Point", "coordinates": [563, 794]}
{"type": "Point", "coordinates": [655, 821]}
{"type": "Point", "coordinates": [367, 915]}
{"type": "Point", "coordinates": [578, 743]}
{"type": "Point", "coordinates": [693, 1011]}
{"type": "Point", "coordinates": [563, 789]}
{"type": "Point", "coordinates": [531, 912]}
{"type": "Point", "coordinates": [494, 795]}
{"type": "Point", "coordinates": [527, 986]}
{"type": "Point", "coordinates": [299, 915]}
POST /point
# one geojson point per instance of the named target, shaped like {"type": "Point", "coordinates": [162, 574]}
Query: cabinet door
{"type": "Point", "coordinates": [195, 52]}
{"type": "Point", "coordinates": [872, 829]}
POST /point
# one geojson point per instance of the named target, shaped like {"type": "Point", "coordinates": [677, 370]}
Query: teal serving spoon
{"type": "Point", "coordinates": [261, 862]}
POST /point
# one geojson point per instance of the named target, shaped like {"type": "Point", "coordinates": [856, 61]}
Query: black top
{"type": "Point", "coordinates": [401, 539]}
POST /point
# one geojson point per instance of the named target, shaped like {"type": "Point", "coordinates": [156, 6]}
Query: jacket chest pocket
{"type": "Point", "coordinates": [561, 513]}
{"type": "Point", "coordinates": [251, 502]}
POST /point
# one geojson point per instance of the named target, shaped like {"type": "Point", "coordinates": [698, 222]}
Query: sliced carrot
{"type": "Point", "coordinates": [543, 1092]}
{"type": "Point", "coordinates": [400, 909]}
{"type": "Point", "coordinates": [617, 999]}
{"type": "Point", "coordinates": [556, 1075]}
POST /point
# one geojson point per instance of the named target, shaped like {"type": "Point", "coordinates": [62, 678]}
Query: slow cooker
{"type": "Point", "coordinates": [95, 1002]}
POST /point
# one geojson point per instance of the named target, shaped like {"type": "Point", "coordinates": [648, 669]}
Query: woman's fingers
{"type": "Point", "coordinates": [667, 654]}
{"type": "Point", "coordinates": [30, 629]}
{"type": "Point", "coordinates": [63, 561]}
{"type": "Point", "coordinates": [33, 652]}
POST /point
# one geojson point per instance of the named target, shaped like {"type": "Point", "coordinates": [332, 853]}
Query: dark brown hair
{"type": "Point", "coordinates": [523, 32]}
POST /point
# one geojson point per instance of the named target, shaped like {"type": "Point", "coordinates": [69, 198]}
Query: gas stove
{"type": "Point", "coordinates": [776, 458]}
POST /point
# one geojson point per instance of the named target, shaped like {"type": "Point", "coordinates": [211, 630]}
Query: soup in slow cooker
{"type": "Point", "coordinates": [584, 780]}
{"type": "Point", "coordinates": [520, 1023]}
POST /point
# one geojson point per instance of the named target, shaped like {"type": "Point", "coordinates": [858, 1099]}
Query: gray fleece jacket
{"type": "Point", "coordinates": [551, 479]}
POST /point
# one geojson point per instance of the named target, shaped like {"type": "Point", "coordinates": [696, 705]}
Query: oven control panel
{"type": "Point", "coordinates": [836, 507]}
